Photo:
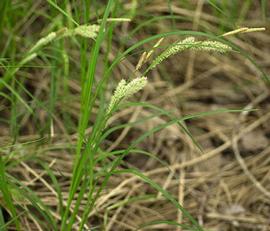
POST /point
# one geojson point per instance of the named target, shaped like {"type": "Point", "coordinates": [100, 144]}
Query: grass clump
{"type": "Point", "coordinates": [73, 156]}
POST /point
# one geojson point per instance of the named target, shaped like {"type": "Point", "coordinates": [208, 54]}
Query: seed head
{"type": "Point", "coordinates": [190, 43]}
{"type": "Point", "coordinates": [125, 90]}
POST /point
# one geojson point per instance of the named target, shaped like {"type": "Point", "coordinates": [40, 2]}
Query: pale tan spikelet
{"type": "Point", "coordinates": [141, 61]}
{"type": "Point", "coordinates": [255, 29]}
{"type": "Point", "coordinates": [244, 30]}
{"type": "Point", "coordinates": [158, 43]}
{"type": "Point", "coordinates": [146, 55]}
{"type": "Point", "coordinates": [152, 51]}
{"type": "Point", "coordinates": [240, 30]}
{"type": "Point", "coordinates": [116, 20]}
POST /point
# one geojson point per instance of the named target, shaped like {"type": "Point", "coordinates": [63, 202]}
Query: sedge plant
{"type": "Point", "coordinates": [89, 182]}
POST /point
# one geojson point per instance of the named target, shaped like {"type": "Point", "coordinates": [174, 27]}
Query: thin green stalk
{"type": "Point", "coordinates": [86, 108]}
{"type": "Point", "coordinates": [4, 187]}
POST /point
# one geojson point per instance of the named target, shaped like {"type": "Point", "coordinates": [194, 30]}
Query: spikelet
{"type": "Point", "coordinates": [125, 90]}
{"type": "Point", "coordinates": [146, 55]}
{"type": "Point", "coordinates": [174, 49]}
{"type": "Point", "coordinates": [88, 31]}
{"type": "Point", "coordinates": [190, 43]}
{"type": "Point", "coordinates": [43, 41]}
{"type": "Point", "coordinates": [134, 86]}
{"type": "Point", "coordinates": [212, 46]}
{"type": "Point", "coordinates": [244, 30]}
{"type": "Point", "coordinates": [28, 58]}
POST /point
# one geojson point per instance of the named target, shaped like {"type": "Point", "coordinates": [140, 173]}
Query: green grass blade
{"type": "Point", "coordinates": [166, 222]}
{"type": "Point", "coordinates": [4, 187]}
{"type": "Point", "coordinates": [44, 211]}
{"type": "Point", "coordinates": [86, 108]}
{"type": "Point", "coordinates": [62, 11]}
{"type": "Point", "coordinates": [3, 225]}
{"type": "Point", "coordinates": [165, 193]}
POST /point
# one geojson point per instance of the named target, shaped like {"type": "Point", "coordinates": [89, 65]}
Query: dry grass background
{"type": "Point", "coordinates": [226, 187]}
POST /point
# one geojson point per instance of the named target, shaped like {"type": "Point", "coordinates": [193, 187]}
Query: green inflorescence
{"type": "Point", "coordinates": [190, 43]}
{"type": "Point", "coordinates": [125, 90]}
